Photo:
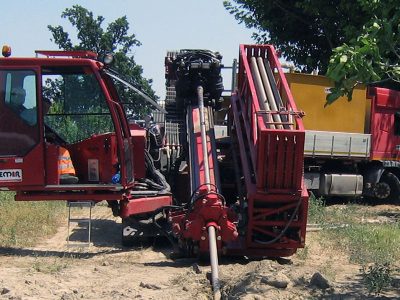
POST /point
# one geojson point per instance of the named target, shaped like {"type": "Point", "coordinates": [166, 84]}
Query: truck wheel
{"type": "Point", "coordinates": [388, 188]}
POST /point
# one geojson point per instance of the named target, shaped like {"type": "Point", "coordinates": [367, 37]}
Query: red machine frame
{"type": "Point", "coordinates": [276, 160]}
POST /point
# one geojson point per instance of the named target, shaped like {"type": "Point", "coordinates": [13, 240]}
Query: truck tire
{"type": "Point", "coordinates": [388, 188]}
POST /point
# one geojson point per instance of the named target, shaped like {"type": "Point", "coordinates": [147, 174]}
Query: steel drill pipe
{"type": "Point", "coordinates": [263, 101]}
{"type": "Point", "coordinates": [200, 99]}
{"type": "Point", "coordinates": [268, 90]}
{"type": "Point", "coordinates": [277, 95]}
{"type": "Point", "coordinates": [212, 240]}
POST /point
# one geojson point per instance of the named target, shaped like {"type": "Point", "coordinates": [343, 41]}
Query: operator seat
{"type": "Point", "coordinates": [68, 179]}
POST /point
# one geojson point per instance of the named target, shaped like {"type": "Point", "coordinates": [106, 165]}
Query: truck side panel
{"type": "Point", "coordinates": [309, 92]}
{"type": "Point", "coordinates": [337, 144]}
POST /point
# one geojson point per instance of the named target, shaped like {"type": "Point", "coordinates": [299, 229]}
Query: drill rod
{"type": "Point", "coordinates": [211, 229]}
{"type": "Point", "coordinates": [203, 136]}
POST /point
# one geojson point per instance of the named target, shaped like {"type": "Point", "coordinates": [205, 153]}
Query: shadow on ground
{"type": "Point", "coordinates": [105, 239]}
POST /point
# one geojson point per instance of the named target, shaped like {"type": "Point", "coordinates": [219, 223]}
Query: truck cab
{"type": "Point", "coordinates": [64, 99]}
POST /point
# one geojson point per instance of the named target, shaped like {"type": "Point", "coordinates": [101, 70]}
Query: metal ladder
{"type": "Point", "coordinates": [80, 220]}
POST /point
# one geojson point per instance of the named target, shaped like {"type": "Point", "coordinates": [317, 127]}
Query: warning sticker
{"type": "Point", "coordinates": [11, 175]}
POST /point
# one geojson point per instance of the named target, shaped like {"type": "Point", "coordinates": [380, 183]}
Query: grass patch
{"type": "Point", "coordinates": [22, 224]}
{"type": "Point", "coordinates": [351, 213]}
{"type": "Point", "coordinates": [52, 266]}
{"type": "Point", "coordinates": [368, 243]}
{"type": "Point", "coordinates": [316, 210]}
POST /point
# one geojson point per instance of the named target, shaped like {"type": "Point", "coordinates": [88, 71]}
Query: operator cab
{"type": "Point", "coordinates": [63, 101]}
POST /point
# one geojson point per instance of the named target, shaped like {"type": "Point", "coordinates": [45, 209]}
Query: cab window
{"type": "Point", "coordinates": [19, 129]}
{"type": "Point", "coordinates": [20, 95]}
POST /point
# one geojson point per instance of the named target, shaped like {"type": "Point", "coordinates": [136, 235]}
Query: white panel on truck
{"type": "Point", "coordinates": [337, 144]}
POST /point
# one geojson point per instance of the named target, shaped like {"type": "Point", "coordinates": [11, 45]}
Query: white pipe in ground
{"type": "Point", "coordinates": [212, 242]}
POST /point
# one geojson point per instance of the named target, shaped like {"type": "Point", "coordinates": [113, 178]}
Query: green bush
{"type": "Point", "coordinates": [376, 277]}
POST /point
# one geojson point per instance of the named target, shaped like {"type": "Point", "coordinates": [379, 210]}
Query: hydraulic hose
{"type": "Point", "coordinates": [155, 174]}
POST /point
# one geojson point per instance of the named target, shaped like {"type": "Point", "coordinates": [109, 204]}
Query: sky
{"type": "Point", "coordinates": [160, 25]}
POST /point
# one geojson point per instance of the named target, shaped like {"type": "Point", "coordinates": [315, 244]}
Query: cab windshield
{"type": "Point", "coordinates": [76, 106]}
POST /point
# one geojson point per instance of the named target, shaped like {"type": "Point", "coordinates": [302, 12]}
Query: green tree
{"type": "Point", "coordinates": [352, 42]}
{"type": "Point", "coordinates": [115, 38]}
{"type": "Point", "coordinates": [305, 31]}
{"type": "Point", "coordinates": [373, 56]}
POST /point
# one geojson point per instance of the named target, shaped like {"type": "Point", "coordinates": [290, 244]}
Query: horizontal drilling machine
{"type": "Point", "coordinates": [237, 180]}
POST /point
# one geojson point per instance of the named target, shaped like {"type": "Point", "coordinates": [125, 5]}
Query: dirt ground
{"type": "Point", "coordinates": [106, 270]}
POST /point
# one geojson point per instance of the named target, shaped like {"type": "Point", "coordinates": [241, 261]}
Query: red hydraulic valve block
{"type": "Point", "coordinates": [206, 210]}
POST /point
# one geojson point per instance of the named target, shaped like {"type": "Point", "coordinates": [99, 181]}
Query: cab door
{"type": "Point", "coordinates": [21, 150]}
{"type": "Point", "coordinates": [122, 131]}
{"type": "Point", "coordinates": [385, 123]}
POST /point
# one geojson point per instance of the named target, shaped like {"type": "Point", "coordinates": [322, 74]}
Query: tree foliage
{"type": "Point", "coordinates": [115, 38]}
{"type": "Point", "coordinates": [305, 31]}
{"type": "Point", "coordinates": [373, 56]}
{"type": "Point", "coordinates": [351, 41]}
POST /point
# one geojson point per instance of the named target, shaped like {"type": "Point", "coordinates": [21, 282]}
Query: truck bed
{"type": "Point", "coordinates": [337, 144]}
